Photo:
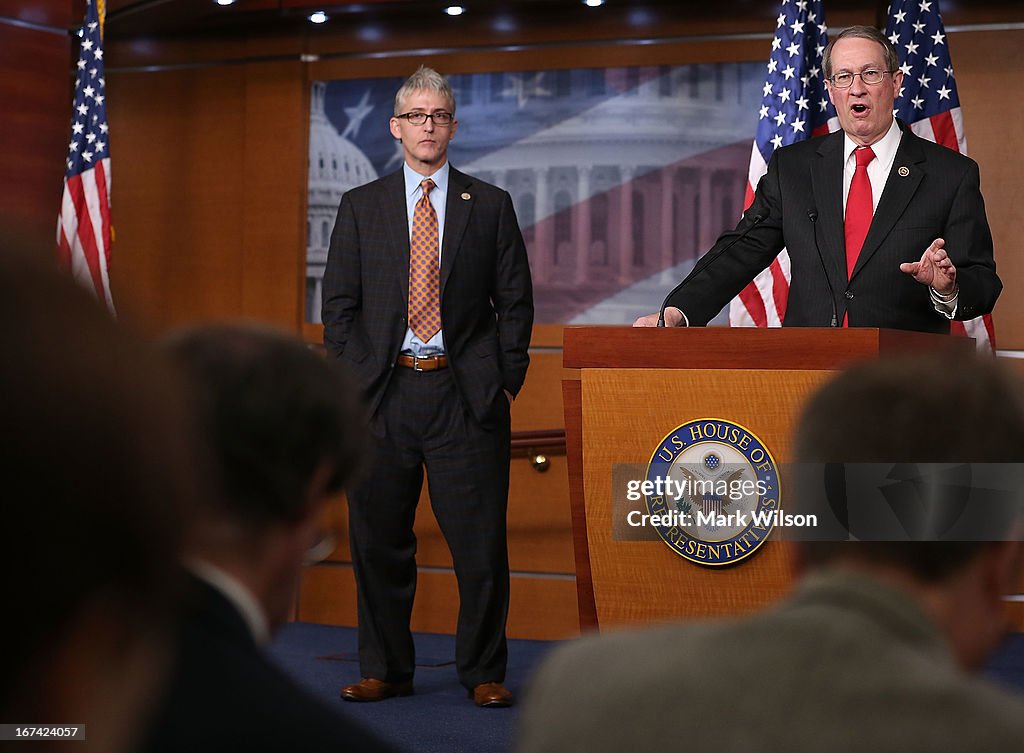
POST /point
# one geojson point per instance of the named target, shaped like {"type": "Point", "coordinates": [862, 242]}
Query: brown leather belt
{"type": "Point", "coordinates": [426, 363]}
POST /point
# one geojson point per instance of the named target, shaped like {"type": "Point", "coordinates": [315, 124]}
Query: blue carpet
{"type": "Point", "coordinates": [1006, 667]}
{"type": "Point", "coordinates": [440, 718]}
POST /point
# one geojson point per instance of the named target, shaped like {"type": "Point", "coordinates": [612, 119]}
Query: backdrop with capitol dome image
{"type": "Point", "coordinates": [621, 177]}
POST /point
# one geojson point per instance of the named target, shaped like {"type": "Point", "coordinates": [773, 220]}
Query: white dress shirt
{"type": "Point", "coordinates": [240, 597]}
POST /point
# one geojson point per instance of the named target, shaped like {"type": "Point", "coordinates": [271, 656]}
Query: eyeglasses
{"type": "Point", "coordinates": [844, 80]}
{"type": "Point", "coordinates": [440, 118]}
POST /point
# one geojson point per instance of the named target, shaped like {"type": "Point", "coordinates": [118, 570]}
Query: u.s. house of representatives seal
{"type": "Point", "coordinates": [715, 491]}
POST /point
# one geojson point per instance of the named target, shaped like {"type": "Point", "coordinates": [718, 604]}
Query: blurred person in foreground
{"type": "Point", "coordinates": [282, 429]}
{"type": "Point", "coordinates": [876, 647]}
{"type": "Point", "coordinates": [95, 463]}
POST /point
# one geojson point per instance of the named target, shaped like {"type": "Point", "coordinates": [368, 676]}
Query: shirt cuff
{"type": "Point", "coordinates": [943, 305]}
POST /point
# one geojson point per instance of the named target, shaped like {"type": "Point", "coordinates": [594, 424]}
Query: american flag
{"type": "Point", "coordinates": [928, 100]}
{"type": "Point", "coordinates": [83, 223]}
{"type": "Point", "coordinates": [794, 107]}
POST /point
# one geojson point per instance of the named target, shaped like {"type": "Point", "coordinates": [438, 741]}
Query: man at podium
{"type": "Point", "coordinates": [883, 228]}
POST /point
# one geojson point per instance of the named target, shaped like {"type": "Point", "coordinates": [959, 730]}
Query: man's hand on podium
{"type": "Point", "coordinates": [673, 318]}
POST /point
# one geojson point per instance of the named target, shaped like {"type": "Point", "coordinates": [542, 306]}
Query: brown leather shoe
{"type": "Point", "coordinates": [492, 695]}
{"type": "Point", "coordinates": [371, 689]}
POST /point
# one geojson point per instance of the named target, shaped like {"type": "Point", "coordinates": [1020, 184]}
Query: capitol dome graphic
{"type": "Point", "coordinates": [335, 165]}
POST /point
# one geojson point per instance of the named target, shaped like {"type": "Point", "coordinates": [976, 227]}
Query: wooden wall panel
{"type": "Point", "coordinates": [989, 71]}
{"type": "Point", "coordinates": [541, 609]}
{"type": "Point", "coordinates": [539, 403]}
{"type": "Point", "coordinates": [274, 199]}
{"type": "Point", "coordinates": [36, 89]}
{"type": "Point", "coordinates": [540, 557]}
{"type": "Point", "coordinates": [539, 526]}
{"type": "Point", "coordinates": [208, 194]}
{"type": "Point", "coordinates": [539, 536]}
{"type": "Point", "coordinates": [178, 162]}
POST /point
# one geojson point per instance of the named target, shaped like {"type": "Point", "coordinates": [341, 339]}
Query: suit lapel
{"type": "Point", "coordinates": [456, 216]}
{"type": "Point", "coordinates": [898, 191]}
{"type": "Point", "coordinates": [396, 220]}
{"type": "Point", "coordinates": [827, 183]}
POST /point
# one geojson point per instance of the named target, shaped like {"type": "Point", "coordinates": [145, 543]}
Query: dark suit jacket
{"type": "Point", "coordinates": [939, 197]}
{"type": "Point", "coordinates": [225, 695]}
{"type": "Point", "coordinates": [486, 291]}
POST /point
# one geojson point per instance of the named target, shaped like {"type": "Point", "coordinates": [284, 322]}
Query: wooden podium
{"type": "Point", "coordinates": [632, 388]}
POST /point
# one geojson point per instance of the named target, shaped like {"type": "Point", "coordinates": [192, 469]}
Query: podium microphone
{"type": "Point", "coordinates": [706, 260]}
{"type": "Point", "coordinates": [812, 215]}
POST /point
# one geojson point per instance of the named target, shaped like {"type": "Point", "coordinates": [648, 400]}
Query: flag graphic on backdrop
{"type": "Point", "coordinates": [794, 107]}
{"type": "Point", "coordinates": [928, 100]}
{"type": "Point", "coordinates": [83, 223]}
{"type": "Point", "coordinates": [621, 177]}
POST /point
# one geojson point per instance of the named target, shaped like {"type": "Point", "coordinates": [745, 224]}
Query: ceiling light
{"type": "Point", "coordinates": [455, 10]}
{"type": "Point", "coordinates": [318, 18]}
{"type": "Point", "coordinates": [225, 2]}
{"type": "Point", "coordinates": [593, 3]}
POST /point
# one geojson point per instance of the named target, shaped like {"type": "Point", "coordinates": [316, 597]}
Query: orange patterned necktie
{"type": "Point", "coordinates": [424, 277]}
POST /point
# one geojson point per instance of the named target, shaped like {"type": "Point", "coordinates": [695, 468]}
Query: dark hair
{"type": "Point", "coordinates": [892, 59]}
{"type": "Point", "coordinates": [95, 462]}
{"type": "Point", "coordinates": [940, 408]}
{"type": "Point", "coordinates": [273, 412]}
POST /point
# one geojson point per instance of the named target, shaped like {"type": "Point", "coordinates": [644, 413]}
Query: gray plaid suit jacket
{"type": "Point", "coordinates": [848, 664]}
{"type": "Point", "coordinates": [486, 290]}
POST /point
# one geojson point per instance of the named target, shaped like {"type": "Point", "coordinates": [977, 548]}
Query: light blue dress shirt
{"type": "Point", "coordinates": [438, 197]}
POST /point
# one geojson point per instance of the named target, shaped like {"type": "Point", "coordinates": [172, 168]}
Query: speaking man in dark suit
{"type": "Point", "coordinates": [283, 436]}
{"type": "Point", "coordinates": [428, 298]}
{"type": "Point", "coordinates": [856, 209]}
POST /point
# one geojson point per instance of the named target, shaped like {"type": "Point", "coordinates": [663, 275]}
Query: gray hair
{"type": "Point", "coordinates": [892, 60]}
{"type": "Point", "coordinates": [425, 79]}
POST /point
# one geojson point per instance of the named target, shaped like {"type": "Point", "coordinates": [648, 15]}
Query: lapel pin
{"type": "Point", "coordinates": [466, 197]}
{"type": "Point", "coordinates": [904, 171]}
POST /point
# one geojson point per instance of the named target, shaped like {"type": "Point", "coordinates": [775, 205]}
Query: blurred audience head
{"type": "Point", "coordinates": [284, 433]}
{"type": "Point", "coordinates": [96, 463]}
{"type": "Point", "coordinates": [944, 408]}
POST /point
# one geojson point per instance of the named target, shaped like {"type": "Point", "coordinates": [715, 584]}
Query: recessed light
{"type": "Point", "coordinates": [593, 3]}
{"type": "Point", "coordinates": [225, 2]}
{"type": "Point", "coordinates": [318, 18]}
{"type": "Point", "coordinates": [455, 10]}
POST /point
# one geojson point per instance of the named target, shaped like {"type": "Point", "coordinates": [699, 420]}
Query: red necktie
{"type": "Point", "coordinates": [859, 210]}
{"type": "Point", "coordinates": [424, 278]}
